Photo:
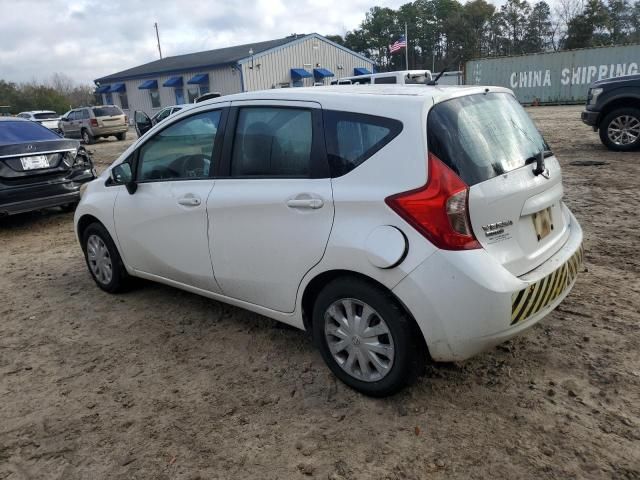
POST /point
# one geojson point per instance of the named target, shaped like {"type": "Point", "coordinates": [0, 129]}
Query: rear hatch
{"type": "Point", "coordinates": [494, 147]}
{"type": "Point", "coordinates": [109, 116]}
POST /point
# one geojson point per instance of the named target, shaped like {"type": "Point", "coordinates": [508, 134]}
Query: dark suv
{"type": "Point", "coordinates": [613, 108]}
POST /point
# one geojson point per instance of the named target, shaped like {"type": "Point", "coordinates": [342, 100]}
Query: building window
{"type": "Point", "coordinates": [154, 95]}
{"type": "Point", "coordinates": [179, 96]}
{"type": "Point", "coordinates": [108, 98]}
{"type": "Point", "coordinates": [194, 91]}
{"type": "Point", "coordinates": [124, 101]}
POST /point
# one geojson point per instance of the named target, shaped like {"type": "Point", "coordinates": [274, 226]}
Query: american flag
{"type": "Point", "coordinates": [398, 44]}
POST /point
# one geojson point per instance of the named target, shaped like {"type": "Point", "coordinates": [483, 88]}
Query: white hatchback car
{"type": "Point", "coordinates": [394, 223]}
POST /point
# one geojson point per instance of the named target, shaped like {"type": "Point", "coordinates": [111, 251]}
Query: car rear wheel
{"type": "Point", "coordinates": [87, 138]}
{"type": "Point", "coordinates": [366, 338]}
{"type": "Point", "coordinates": [103, 260]}
{"type": "Point", "coordinates": [122, 136]}
{"type": "Point", "coordinates": [620, 129]}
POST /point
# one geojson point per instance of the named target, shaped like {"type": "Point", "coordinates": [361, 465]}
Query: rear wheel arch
{"type": "Point", "coordinates": [315, 286]}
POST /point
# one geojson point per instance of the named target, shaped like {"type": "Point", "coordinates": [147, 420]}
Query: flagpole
{"type": "Point", "coordinates": [406, 49]}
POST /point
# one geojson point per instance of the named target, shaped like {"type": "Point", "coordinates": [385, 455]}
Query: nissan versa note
{"type": "Point", "coordinates": [395, 224]}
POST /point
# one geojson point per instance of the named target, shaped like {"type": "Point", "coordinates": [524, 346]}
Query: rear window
{"type": "Point", "coordinates": [20, 132]}
{"type": "Point", "coordinates": [352, 138]}
{"type": "Point", "coordinates": [107, 111]}
{"type": "Point", "coordinates": [482, 136]}
{"type": "Point", "coordinates": [45, 115]}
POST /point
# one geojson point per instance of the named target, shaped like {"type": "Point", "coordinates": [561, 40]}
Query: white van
{"type": "Point", "coordinates": [401, 77]}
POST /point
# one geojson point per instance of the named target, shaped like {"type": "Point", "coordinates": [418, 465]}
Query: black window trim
{"type": "Point", "coordinates": [395, 127]}
{"type": "Point", "coordinates": [318, 168]}
{"type": "Point", "coordinates": [215, 154]}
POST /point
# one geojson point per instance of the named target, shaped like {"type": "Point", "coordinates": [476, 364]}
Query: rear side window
{"type": "Point", "coordinates": [85, 114]}
{"type": "Point", "coordinates": [354, 137]}
{"type": "Point", "coordinates": [107, 111]}
{"type": "Point", "coordinates": [272, 142]}
{"type": "Point", "coordinates": [482, 136]}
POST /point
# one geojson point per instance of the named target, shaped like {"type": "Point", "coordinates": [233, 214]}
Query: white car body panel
{"type": "Point", "coordinates": [255, 252]}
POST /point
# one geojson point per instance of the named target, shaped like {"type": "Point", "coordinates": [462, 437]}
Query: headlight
{"type": "Point", "coordinates": [68, 158]}
{"type": "Point", "coordinates": [593, 95]}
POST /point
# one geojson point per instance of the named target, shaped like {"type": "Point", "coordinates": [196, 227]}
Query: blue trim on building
{"type": "Point", "coordinates": [320, 73]}
{"type": "Point", "coordinates": [173, 82]}
{"type": "Point", "coordinates": [199, 79]}
{"type": "Point", "coordinates": [103, 89]}
{"type": "Point", "coordinates": [118, 88]}
{"type": "Point", "coordinates": [299, 73]}
{"type": "Point", "coordinates": [148, 85]}
{"type": "Point", "coordinates": [361, 71]}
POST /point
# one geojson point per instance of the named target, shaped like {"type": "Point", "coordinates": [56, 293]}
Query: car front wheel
{"type": "Point", "coordinates": [366, 338]}
{"type": "Point", "coordinates": [103, 260]}
{"type": "Point", "coordinates": [620, 129]}
{"type": "Point", "coordinates": [87, 138]}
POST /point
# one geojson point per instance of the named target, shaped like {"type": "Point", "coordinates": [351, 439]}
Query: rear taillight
{"type": "Point", "coordinates": [439, 210]}
{"type": "Point", "coordinates": [93, 122]}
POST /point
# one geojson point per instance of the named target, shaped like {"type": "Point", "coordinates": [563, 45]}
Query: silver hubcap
{"type": "Point", "coordinates": [624, 130]}
{"type": "Point", "coordinates": [359, 339]}
{"type": "Point", "coordinates": [99, 259]}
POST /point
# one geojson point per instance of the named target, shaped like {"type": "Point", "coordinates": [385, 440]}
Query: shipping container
{"type": "Point", "coordinates": [554, 77]}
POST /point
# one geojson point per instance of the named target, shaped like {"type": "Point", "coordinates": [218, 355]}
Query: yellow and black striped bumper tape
{"type": "Point", "coordinates": [535, 297]}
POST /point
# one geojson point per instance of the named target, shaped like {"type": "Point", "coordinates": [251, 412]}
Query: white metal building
{"type": "Point", "coordinates": [295, 61]}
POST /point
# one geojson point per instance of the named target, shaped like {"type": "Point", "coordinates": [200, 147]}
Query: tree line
{"type": "Point", "coordinates": [59, 94]}
{"type": "Point", "coordinates": [446, 33]}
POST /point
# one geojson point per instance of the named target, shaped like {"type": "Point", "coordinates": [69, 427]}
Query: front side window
{"type": "Point", "coordinates": [181, 151]}
{"type": "Point", "coordinates": [352, 138]}
{"type": "Point", "coordinates": [272, 142]}
{"type": "Point", "coordinates": [482, 136]}
{"type": "Point", "coordinates": [154, 95]}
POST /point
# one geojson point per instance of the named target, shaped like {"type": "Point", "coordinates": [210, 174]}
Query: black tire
{"type": "Point", "coordinates": [612, 116]}
{"type": "Point", "coordinates": [120, 279]}
{"type": "Point", "coordinates": [122, 136]}
{"type": "Point", "coordinates": [409, 357]}
{"type": "Point", "coordinates": [86, 137]}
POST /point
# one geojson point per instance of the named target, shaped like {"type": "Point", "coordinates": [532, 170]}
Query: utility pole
{"type": "Point", "coordinates": [406, 49]}
{"type": "Point", "coordinates": [158, 37]}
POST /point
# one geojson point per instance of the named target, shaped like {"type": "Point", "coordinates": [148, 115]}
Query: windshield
{"type": "Point", "coordinates": [108, 111]}
{"type": "Point", "coordinates": [20, 132]}
{"type": "Point", "coordinates": [45, 115]}
{"type": "Point", "coordinates": [482, 136]}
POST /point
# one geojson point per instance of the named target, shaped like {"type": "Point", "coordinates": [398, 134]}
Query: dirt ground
{"type": "Point", "coordinates": [162, 384]}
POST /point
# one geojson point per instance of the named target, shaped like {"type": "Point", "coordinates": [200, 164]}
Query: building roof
{"type": "Point", "coordinates": [207, 59]}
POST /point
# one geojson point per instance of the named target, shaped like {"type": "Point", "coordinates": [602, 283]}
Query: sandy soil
{"type": "Point", "coordinates": [163, 384]}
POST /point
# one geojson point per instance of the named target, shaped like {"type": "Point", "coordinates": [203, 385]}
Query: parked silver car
{"type": "Point", "coordinates": [90, 123]}
{"type": "Point", "coordinates": [46, 118]}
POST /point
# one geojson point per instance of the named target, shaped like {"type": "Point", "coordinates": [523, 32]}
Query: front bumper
{"type": "Point", "coordinates": [465, 302]}
{"type": "Point", "coordinates": [590, 118]}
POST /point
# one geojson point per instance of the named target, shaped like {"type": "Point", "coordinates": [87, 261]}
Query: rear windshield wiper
{"type": "Point", "coordinates": [539, 159]}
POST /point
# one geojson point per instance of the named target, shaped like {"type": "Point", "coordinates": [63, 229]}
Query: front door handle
{"type": "Point", "coordinates": [313, 203]}
{"type": "Point", "coordinates": [189, 200]}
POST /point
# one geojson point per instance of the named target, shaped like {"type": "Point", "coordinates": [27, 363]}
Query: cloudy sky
{"type": "Point", "coordinates": [87, 39]}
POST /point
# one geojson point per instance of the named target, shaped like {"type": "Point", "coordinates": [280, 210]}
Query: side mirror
{"type": "Point", "coordinates": [121, 175]}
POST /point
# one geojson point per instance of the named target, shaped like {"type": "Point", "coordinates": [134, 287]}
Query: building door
{"type": "Point", "coordinates": [179, 96]}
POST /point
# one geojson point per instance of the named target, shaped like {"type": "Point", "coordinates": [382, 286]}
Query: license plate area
{"type": "Point", "coordinates": [542, 223]}
{"type": "Point", "coordinates": [35, 162]}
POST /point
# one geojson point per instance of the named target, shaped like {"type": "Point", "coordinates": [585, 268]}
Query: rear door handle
{"type": "Point", "coordinates": [189, 200]}
{"type": "Point", "coordinates": [313, 203]}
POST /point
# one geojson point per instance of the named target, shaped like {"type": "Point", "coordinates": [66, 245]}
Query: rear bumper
{"type": "Point", "coordinates": [102, 131]}
{"type": "Point", "coordinates": [590, 118]}
{"type": "Point", "coordinates": [465, 302]}
{"type": "Point", "coordinates": [29, 197]}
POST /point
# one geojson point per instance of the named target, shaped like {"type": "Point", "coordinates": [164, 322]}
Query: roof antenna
{"type": "Point", "coordinates": [158, 37]}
